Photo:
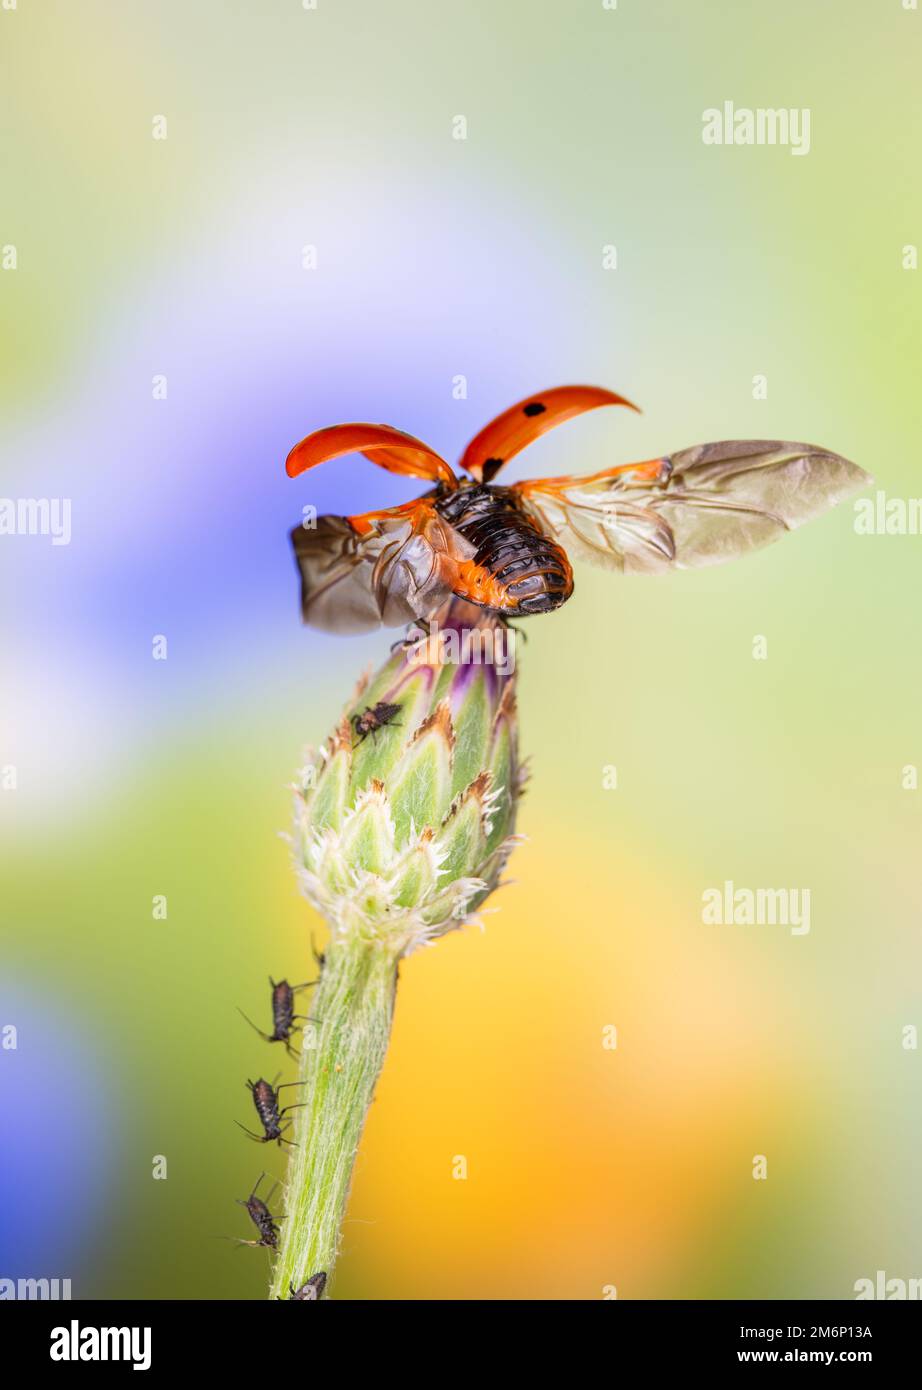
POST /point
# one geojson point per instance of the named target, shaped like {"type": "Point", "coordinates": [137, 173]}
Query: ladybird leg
{"type": "Point", "coordinates": [506, 623]}
{"type": "Point", "coordinates": [418, 629]}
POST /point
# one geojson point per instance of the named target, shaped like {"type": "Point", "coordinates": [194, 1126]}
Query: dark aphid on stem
{"type": "Point", "coordinates": [266, 1100]}
{"type": "Point", "coordinates": [372, 719]}
{"type": "Point", "coordinates": [283, 1013]}
{"type": "Point", "coordinates": [309, 1292]}
{"type": "Point", "coordinates": [262, 1218]}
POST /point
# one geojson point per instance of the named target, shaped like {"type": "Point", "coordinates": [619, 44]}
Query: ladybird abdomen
{"type": "Point", "coordinates": [530, 572]}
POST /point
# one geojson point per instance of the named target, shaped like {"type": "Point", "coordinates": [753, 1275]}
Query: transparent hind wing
{"type": "Point", "coordinates": [700, 506]}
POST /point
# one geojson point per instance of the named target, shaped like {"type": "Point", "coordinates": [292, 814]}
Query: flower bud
{"type": "Point", "coordinates": [405, 819]}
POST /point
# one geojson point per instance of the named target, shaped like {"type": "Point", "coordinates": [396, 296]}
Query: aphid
{"type": "Point", "coordinates": [266, 1099]}
{"type": "Point", "coordinates": [283, 1013]}
{"type": "Point", "coordinates": [262, 1218]}
{"type": "Point", "coordinates": [372, 719]}
{"type": "Point", "coordinates": [507, 549]}
{"type": "Point", "coordinates": [310, 1291]}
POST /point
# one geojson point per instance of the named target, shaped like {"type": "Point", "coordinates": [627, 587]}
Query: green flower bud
{"type": "Point", "coordinates": [404, 821]}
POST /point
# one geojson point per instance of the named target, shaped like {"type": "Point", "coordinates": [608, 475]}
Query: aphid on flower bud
{"type": "Point", "coordinates": [372, 719]}
{"type": "Point", "coordinates": [266, 1100]}
{"type": "Point", "coordinates": [310, 1291]}
{"type": "Point", "coordinates": [507, 549]}
{"type": "Point", "coordinates": [262, 1218]}
{"type": "Point", "coordinates": [283, 1013]}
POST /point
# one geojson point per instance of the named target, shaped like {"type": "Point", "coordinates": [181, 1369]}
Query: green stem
{"type": "Point", "coordinates": [341, 1058]}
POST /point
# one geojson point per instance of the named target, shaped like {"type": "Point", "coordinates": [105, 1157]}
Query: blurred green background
{"type": "Point", "coordinates": [437, 258]}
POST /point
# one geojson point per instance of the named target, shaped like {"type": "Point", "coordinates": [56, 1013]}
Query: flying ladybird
{"type": "Point", "coordinates": [507, 549]}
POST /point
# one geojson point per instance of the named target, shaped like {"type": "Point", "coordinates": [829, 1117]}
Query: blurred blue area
{"type": "Point", "coordinates": [58, 1137]}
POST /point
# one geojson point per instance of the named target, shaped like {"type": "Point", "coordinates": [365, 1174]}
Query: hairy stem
{"type": "Point", "coordinates": [341, 1058]}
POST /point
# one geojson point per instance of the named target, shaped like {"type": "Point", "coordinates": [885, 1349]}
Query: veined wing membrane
{"type": "Point", "coordinates": [699, 506]}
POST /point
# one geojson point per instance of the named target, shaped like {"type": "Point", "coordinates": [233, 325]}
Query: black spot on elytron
{"type": "Point", "coordinates": [490, 468]}
{"type": "Point", "coordinates": [534, 408]}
